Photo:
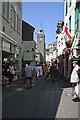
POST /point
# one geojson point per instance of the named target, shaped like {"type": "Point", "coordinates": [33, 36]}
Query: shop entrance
{"type": "Point", "coordinates": [7, 56]}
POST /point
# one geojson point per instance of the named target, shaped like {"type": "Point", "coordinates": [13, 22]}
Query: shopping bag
{"type": "Point", "coordinates": [77, 89]}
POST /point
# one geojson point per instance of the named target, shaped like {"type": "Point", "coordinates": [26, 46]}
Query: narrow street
{"type": "Point", "coordinates": [44, 100]}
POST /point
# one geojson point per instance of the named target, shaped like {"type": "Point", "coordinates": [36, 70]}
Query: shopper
{"type": "Point", "coordinates": [28, 75]}
{"type": "Point", "coordinates": [52, 72]}
{"type": "Point", "coordinates": [74, 78]}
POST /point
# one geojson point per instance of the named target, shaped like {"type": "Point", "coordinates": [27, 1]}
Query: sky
{"type": "Point", "coordinates": [45, 14]}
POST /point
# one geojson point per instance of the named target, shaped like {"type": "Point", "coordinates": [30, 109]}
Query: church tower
{"type": "Point", "coordinates": [41, 43]}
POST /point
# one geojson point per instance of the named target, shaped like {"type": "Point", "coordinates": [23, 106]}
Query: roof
{"type": "Point", "coordinates": [27, 25]}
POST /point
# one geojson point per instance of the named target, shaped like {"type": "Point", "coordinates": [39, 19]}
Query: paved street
{"type": "Point", "coordinates": [44, 100]}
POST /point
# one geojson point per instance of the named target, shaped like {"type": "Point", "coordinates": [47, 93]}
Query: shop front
{"type": "Point", "coordinates": [12, 53]}
{"type": "Point", "coordinates": [66, 52]}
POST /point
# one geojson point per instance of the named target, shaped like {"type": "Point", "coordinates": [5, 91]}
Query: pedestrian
{"type": "Point", "coordinates": [57, 72]}
{"type": "Point", "coordinates": [52, 72]}
{"type": "Point", "coordinates": [23, 73]}
{"type": "Point", "coordinates": [28, 75]}
{"type": "Point", "coordinates": [61, 67]}
{"type": "Point", "coordinates": [45, 69]}
{"type": "Point", "coordinates": [74, 78]}
{"type": "Point", "coordinates": [12, 72]}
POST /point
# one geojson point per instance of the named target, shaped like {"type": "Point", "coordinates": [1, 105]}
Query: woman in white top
{"type": "Point", "coordinates": [74, 77]}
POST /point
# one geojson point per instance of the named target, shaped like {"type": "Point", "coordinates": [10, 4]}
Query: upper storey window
{"type": "Point", "coordinates": [66, 11]}
{"type": "Point", "coordinates": [5, 10]}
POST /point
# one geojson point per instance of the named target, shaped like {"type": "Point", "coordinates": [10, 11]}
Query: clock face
{"type": "Point", "coordinates": [40, 38]}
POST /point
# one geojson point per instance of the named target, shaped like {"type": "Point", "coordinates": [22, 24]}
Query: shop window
{"type": "Point", "coordinates": [78, 52]}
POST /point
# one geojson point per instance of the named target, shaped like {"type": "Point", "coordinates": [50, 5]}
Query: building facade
{"type": "Point", "coordinates": [38, 57]}
{"type": "Point", "coordinates": [72, 21]}
{"type": "Point", "coordinates": [51, 53]}
{"type": "Point", "coordinates": [11, 32]}
{"type": "Point", "coordinates": [60, 38]}
{"type": "Point", "coordinates": [29, 45]}
{"type": "Point", "coordinates": [41, 43]}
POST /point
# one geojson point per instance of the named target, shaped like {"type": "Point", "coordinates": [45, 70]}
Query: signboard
{"type": "Point", "coordinates": [6, 46]}
{"type": "Point", "coordinates": [28, 56]}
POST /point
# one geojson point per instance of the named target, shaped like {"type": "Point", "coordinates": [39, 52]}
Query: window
{"type": "Point", "coordinates": [18, 24]}
{"type": "Point", "coordinates": [3, 29]}
{"type": "Point", "coordinates": [62, 43]}
{"type": "Point", "coordinates": [66, 8]}
{"type": "Point", "coordinates": [13, 18]}
{"type": "Point", "coordinates": [40, 30]}
{"type": "Point", "coordinates": [70, 24]}
{"type": "Point", "coordinates": [70, 3]}
{"type": "Point", "coordinates": [76, 18]}
{"type": "Point", "coordinates": [67, 24]}
{"type": "Point", "coordinates": [5, 10]}
{"type": "Point", "coordinates": [78, 52]}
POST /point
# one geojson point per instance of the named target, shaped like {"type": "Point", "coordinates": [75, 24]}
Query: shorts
{"type": "Point", "coordinates": [29, 78]}
{"type": "Point", "coordinates": [73, 85]}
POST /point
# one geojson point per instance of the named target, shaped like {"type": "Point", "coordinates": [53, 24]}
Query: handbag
{"type": "Point", "coordinates": [77, 89]}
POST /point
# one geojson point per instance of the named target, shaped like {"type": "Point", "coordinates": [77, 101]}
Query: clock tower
{"type": "Point", "coordinates": [41, 43]}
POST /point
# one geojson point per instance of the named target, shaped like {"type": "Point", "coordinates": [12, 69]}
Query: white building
{"type": "Point", "coordinates": [60, 43]}
{"type": "Point", "coordinates": [38, 56]}
{"type": "Point", "coordinates": [51, 54]}
{"type": "Point", "coordinates": [60, 38]}
{"type": "Point", "coordinates": [11, 32]}
{"type": "Point", "coordinates": [48, 60]}
{"type": "Point", "coordinates": [72, 21]}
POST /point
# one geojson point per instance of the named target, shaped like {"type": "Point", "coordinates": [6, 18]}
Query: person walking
{"type": "Point", "coordinates": [52, 72]}
{"type": "Point", "coordinates": [11, 72]}
{"type": "Point", "coordinates": [74, 79]}
{"type": "Point", "coordinates": [28, 75]}
{"type": "Point", "coordinates": [45, 69]}
{"type": "Point", "coordinates": [61, 67]}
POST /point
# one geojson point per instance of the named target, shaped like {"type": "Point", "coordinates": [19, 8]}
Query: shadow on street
{"type": "Point", "coordinates": [41, 101]}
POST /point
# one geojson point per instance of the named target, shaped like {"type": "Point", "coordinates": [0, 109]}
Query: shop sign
{"type": "Point", "coordinates": [17, 50]}
{"type": "Point", "coordinates": [6, 46]}
{"type": "Point", "coordinates": [28, 56]}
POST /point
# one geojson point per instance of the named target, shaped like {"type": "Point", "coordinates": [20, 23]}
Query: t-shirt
{"type": "Point", "coordinates": [52, 69]}
{"type": "Point", "coordinates": [28, 71]}
{"type": "Point", "coordinates": [74, 74]}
